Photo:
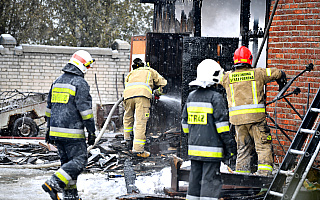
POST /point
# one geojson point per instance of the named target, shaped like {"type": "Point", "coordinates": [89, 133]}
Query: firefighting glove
{"type": "Point", "coordinates": [47, 138]}
{"type": "Point", "coordinates": [282, 81]}
{"type": "Point", "coordinates": [230, 161]}
{"type": "Point", "coordinates": [230, 147]}
{"type": "Point", "coordinates": [156, 93]}
{"type": "Point", "coordinates": [91, 138]}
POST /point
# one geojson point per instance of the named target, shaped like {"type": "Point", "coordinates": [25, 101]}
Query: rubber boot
{"type": "Point", "coordinates": [71, 194]}
{"type": "Point", "coordinates": [127, 144]}
{"type": "Point", "coordinates": [52, 187]}
{"type": "Point", "coordinates": [263, 173]}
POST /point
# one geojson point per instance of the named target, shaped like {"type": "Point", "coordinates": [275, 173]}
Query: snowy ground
{"type": "Point", "coordinates": [17, 184]}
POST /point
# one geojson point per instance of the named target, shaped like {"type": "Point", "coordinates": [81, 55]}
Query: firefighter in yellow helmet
{"type": "Point", "coordinates": [245, 94]}
{"type": "Point", "coordinates": [140, 84]}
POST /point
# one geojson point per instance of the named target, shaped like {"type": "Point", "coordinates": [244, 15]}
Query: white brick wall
{"type": "Point", "coordinates": [33, 68]}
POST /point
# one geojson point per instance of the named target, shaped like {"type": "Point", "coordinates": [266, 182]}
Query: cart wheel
{"type": "Point", "coordinates": [112, 126]}
{"type": "Point", "coordinates": [25, 127]}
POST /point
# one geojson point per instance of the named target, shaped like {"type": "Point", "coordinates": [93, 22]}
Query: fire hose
{"type": "Point", "coordinates": [106, 123]}
{"type": "Point", "coordinates": [56, 164]}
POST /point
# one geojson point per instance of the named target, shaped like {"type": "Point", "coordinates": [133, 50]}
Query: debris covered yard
{"type": "Point", "coordinates": [25, 165]}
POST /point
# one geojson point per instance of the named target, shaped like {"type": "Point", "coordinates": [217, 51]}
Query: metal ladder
{"type": "Point", "coordinates": [307, 156]}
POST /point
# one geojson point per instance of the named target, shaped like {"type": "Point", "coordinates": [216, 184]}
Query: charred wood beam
{"type": "Point", "coordinates": [197, 4]}
{"type": "Point", "coordinates": [232, 179]}
{"type": "Point", "coordinates": [235, 179]}
{"type": "Point", "coordinates": [244, 22]}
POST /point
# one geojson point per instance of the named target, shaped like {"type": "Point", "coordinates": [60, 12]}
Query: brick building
{"type": "Point", "coordinates": [294, 42]}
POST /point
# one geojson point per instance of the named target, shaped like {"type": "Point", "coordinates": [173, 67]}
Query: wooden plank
{"type": "Point", "coordinates": [235, 179]}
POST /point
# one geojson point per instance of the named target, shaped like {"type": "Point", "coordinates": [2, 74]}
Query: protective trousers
{"type": "Point", "coordinates": [250, 137]}
{"type": "Point", "coordinates": [137, 111]}
{"type": "Point", "coordinates": [74, 158]}
{"type": "Point", "coordinates": [204, 181]}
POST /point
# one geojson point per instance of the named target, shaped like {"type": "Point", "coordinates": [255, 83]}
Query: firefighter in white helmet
{"type": "Point", "coordinates": [140, 84]}
{"type": "Point", "coordinates": [69, 111]}
{"type": "Point", "coordinates": [245, 94]}
{"type": "Point", "coordinates": [205, 120]}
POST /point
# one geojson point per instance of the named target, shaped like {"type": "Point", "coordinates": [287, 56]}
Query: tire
{"type": "Point", "coordinates": [112, 126]}
{"type": "Point", "coordinates": [25, 127]}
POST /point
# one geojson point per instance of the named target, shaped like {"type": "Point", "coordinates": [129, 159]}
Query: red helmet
{"type": "Point", "coordinates": [242, 55]}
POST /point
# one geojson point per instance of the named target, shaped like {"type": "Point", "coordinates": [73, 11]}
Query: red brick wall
{"type": "Point", "coordinates": [294, 42]}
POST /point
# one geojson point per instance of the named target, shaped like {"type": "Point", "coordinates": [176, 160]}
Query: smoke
{"type": "Point", "coordinates": [220, 18]}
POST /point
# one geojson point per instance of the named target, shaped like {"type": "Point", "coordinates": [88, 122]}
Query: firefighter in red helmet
{"type": "Point", "coordinates": [245, 93]}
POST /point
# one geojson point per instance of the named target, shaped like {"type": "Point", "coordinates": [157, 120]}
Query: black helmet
{"type": "Point", "coordinates": [137, 63]}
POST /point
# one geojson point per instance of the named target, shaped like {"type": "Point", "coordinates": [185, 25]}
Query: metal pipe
{"type": "Point", "coordinates": [95, 78]}
{"type": "Point", "coordinates": [301, 117]}
{"type": "Point", "coordinates": [308, 96]}
{"type": "Point", "coordinates": [296, 92]}
{"type": "Point", "coordinates": [265, 34]}
{"type": "Point", "coordinates": [309, 67]}
{"type": "Point", "coordinates": [282, 131]}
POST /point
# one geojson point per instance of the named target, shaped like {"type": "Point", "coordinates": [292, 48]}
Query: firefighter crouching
{"type": "Point", "coordinates": [69, 111]}
{"type": "Point", "coordinates": [245, 94]}
{"type": "Point", "coordinates": [205, 120]}
{"type": "Point", "coordinates": [139, 85]}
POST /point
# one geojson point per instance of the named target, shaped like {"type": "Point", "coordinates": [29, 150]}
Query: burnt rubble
{"type": "Point", "coordinates": [109, 155]}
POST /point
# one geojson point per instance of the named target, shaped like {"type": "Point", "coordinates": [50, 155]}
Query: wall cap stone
{"type": "Point", "coordinates": [8, 46]}
{"type": "Point", "coordinates": [7, 41]}
{"type": "Point", "coordinates": [120, 45]}
{"type": "Point", "coordinates": [64, 49]}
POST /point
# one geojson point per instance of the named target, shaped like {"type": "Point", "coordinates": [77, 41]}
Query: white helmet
{"type": "Point", "coordinates": [208, 73]}
{"type": "Point", "coordinates": [82, 59]}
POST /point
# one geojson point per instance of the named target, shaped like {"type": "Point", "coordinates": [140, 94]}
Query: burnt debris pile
{"type": "Point", "coordinates": [109, 155]}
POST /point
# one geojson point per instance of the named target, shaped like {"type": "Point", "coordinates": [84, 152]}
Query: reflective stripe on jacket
{"type": "Point", "coordinates": [141, 82]}
{"type": "Point", "coordinates": [245, 92]}
{"type": "Point", "coordinates": [204, 117]}
{"type": "Point", "coordinates": [69, 106]}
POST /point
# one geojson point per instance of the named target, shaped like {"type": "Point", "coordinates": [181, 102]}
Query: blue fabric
{"type": "Point", "coordinates": [73, 156]}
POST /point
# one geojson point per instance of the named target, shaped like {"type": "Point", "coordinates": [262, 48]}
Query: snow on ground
{"type": "Point", "coordinates": [17, 184]}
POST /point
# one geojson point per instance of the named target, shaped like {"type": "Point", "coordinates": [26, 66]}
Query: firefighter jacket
{"type": "Point", "coordinates": [69, 106]}
{"type": "Point", "coordinates": [245, 93]}
{"type": "Point", "coordinates": [205, 119]}
{"type": "Point", "coordinates": [142, 81]}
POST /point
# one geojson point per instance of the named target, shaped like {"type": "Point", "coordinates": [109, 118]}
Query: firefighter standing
{"type": "Point", "coordinates": [245, 94]}
{"type": "Point", "coordinates": [205, 119]}
{"type": "Point", "coordinates": [139, 85]}
{"type": "Point", "coordinates": [69, 111]}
